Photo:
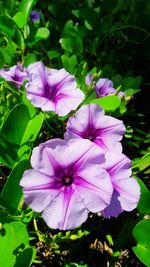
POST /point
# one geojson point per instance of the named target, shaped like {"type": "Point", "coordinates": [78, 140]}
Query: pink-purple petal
{"type": "Point", "coordinates": [43, 157]}
{"type": "Point", "coordinates": [39, 189]}
{"type": "Point", "coordinates": [53, 90]}
{"type": "Point", "coordinates": [67, 211]}
{"type": "Point", "coordinates": [118, 166]}
{"type": "Point", "coordinates": [129, 191]}
{"type": "Point", "coordinates": [16, 74]}
{"type": "Point", "coordinates": [90, 123]}
{"type": "Point", "coordinates": [103, 86]}
{"type": "Point", "coordinates": [39, 199]}
{"type": "Point", "coordinates": [34, 179]}
{"type": "Point", "coordinates": [66, 153]}
{"type": "Point", "coordinates": [114, 208]}
{"type": "Point", "coordinates": [94, 187]}
{"type": "Point", "coordinates": [126, 189]}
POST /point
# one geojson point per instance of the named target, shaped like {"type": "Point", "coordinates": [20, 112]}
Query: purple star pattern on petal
{"type": "Point", "coordinates": [16, 74]}
{"type": "Point", "coordinates": [66, 183]}
{"type": "Point", "coordinates": [126, 192]}
{"type": "Point", "coordinates": [90, 123]}
{"type": "Point", "coordinates": [53, 90]}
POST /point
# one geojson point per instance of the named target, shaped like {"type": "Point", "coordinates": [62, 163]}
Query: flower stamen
{"type": "Point", "coordinates": [67, 180]}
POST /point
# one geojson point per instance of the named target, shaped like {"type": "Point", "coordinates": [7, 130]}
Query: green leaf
{"type": "Point", "coordinates": [88, 26]}
{"type": "Point", "coordinates": [90, 97]}
{"type": "Point", "coordinates": [9, 4]}
{"type": "Point", "coordinates": [6, 245]}
{"type": "Point", "coordinates": [66, 44]}
{"type": "Point", "coordinates": [139, 164]}
{"type": "Point", "coordinates": [131, 82]}
{"type": "Point", "coordinates": [42, 33]}
{"type": "Point", "coordinates": [29, 59]}
{"type": "Point", "coordinates": [119, 5]}
{"type": "Point", "coordinates": [141, 233]}
{"type": "Point", "coordinates": [18, 38]}
{"type": "Point", "coordinates": [32, 129]}
{"type": "Point", "coordinates": [20, 19]}
{"type": "Point", "coordinates": [6, 25]}
{"type": "Point", "coordinates": [14, 241]}
{"type": "Point", "coordinates": [131, 92]}
{"type": "Point", "coordinates": [12, 192]}
{"type": "Point", "coordinates": [87, 14]}
{"type": "Point", "coordinates": [69, 63]}
{"type": "Point", "coordinates": [2, 59]}
{"type": "Point", "coordinates": [26, 257]}
{"type": "Point", "coordinates": [11, 134]}
{"type": "Point", "coordinates": [73, 44]}
{"type": "Point", "coordinates": [110, 240]}
{"type": "Point", "coordinates": [5, 217]}
{"type": "Point", "coordinates": [69, 29]}
{"type": "Point", "coordinates": [15, 124]}
{"type": "Point", "coordinates": [53, 54]}
{"type": "Point", "coordinates": [144, 203]}
{"type": "Point", "coordinates": [117, 80]}
{"type": "Point", "coordinates": [18, 133]}
{"type": "Point", "coordinates": [25, 7]}
{"type": "Point", "coordinates": [21, 237]}
{"type": "Point", "coordinates": [7, 53]}
{"type": "Point", "coordinates": [108, 103]}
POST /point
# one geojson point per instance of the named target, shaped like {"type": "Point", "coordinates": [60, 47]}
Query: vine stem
{"type": "Point", "coordinates": [37, 230]}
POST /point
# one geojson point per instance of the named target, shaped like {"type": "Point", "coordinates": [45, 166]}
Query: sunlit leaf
{"type": "Point", "coordinates": [141, 234]}
{"type": "Point", "coordinates": [20, 19]}
{"type": "Point", "coordinates": [18, 133]}
{"type": "Point", "coordinates": [25, 7]}
{"type": "Point", "coordinates": [144, 203]}
{"type": "Point", "coordinates": [108, 103]}
{"type": "Point", "coordinates": [6, 245]}
{"type": "Point", "coordinates": [42, 33]}
{"type": "Point", "coordinates": [12, 192]}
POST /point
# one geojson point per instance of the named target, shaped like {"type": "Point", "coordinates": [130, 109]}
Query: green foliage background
{"type": "Point", "coordinates": [110, 38]}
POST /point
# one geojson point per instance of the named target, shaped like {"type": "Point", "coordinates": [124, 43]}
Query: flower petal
{"type": "Point", "coordinates": [57, 78]}
{"type": "Point", "coordinates": [94, 187]}
{"type": "Point", "coordinates": [77, 152]}
{"type": "Point", "coordinates": [16, 74]}
{"type": "Point", "coordinates": [90, 123]}
{"type": "Point", "coordinates": [39, 189]}
{"type": "Point", "coordinates": [104, 87]}
{"type": "Point", "coordinates": [118, 166]}
{"type": "Point", "coordinates": [38, 200]}
{"type": "Point", "coordinates": [110, 125]}
{"type": "Point", "coordinates": [67, 211]}
{"type": "Point", "coordinates": [57, 153]}
{"type": "Point", "coordinates": [69, 100]}
{"type": "Point", "coordinates": [88, 79]}
{"type": "Point", "coordinates": [86, 116]}
{"type": "Point", "coordinates": [42, 158]}
{"type": "Point", "coordinates": [129, 191]}
{"type": "Point", "coordinates": [114, 208]}
{"type": "Point", "coordinates": [53, 90]}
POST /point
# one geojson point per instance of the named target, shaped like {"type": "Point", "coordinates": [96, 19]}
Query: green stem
{"type": "Point", "coordinates": [37, 230]}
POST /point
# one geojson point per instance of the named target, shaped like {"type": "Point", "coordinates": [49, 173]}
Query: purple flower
{"type": "Point", "coordinates": [16, 74]}
{"type": "Point", "coordinates": [90, 123]}
{"type": "Point", "coordinates": [35, 16]}
{"type": "Point", "coordinates": [53, 90]}
{"type": "Point", "coordinates": [66, 182]}
{"type": "Point", "coordinates": [126, 192]}
{"type": "Point", "coordinates": [103, 87]}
